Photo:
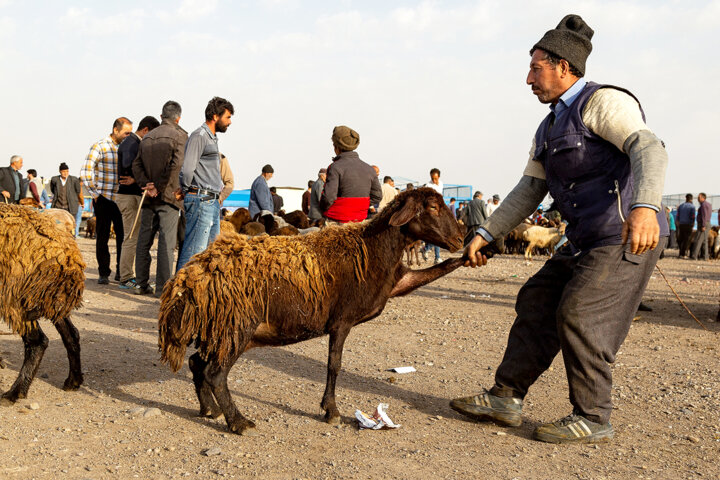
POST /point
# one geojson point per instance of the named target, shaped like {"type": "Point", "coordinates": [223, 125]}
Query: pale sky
{"type": "Point", "coordinates": [426, 84]}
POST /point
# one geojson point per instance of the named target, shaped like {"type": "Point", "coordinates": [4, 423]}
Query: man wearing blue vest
{"type": "Point", "coordinates": [605, 170]}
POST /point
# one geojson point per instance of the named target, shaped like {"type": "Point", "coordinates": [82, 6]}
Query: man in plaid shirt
{"type": "Point", "coordinates": [99, 175]}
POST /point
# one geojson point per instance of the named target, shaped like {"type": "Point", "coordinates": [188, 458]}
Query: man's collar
{"type": "Point", "coordinates": [567, 98]}
{"type": "Point", "coordinates": [207, 129]}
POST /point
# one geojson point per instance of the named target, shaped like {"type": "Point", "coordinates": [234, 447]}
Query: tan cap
{"type": "Point", "coordinates": [345, 138]}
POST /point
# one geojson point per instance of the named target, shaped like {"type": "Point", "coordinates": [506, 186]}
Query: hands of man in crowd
{"type": "Point", "coordinates": [472, 254]}
{"type": "Point", "coordinates": [126, 180]}
{"type": "Point", "coordinates": [641, 228]}
{"type": "Point", "coordinates": [150, 189]}
{"type": "Point", "coordinates": [6, 194]}
{"type": "Point", "coordinates": [179, 194]}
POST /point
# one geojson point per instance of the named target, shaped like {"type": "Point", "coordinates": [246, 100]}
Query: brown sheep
{"type": "Point", "coordinates": [41, 275]}
{"type": "Point", "coordinates": [90, 227]}
{"type": "Point", "coordinates": [253, 229]}
{"type": "Point", "coordinates": [267, 291]}
{"type": "Point", "coordinates": [239, 218]}
{"type": "Point", "coordinates": [297, 219]}
{"type": "Point", "coordinates": [286, 230]}
{"type": "Point", "coordinates": [413, 250]}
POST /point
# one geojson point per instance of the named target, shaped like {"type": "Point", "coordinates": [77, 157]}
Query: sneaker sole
{"type": "Point", "coordinates": [503, 419]}
{"type": "Point", "coordinates": [593, 438]}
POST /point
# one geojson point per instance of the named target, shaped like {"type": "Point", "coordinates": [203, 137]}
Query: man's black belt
{"type": "Point", "coordinates": [201, 192]}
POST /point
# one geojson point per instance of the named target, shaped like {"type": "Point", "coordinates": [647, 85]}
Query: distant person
{"type": "Point", "coordinates": [201, 180]}
{"type": "Point", "coordinates": [388, 192]}
{"type": "Point", "coordinates": [352, 185]}
{"type": "Point", "coordinates": [128, 198]}
{"type": "Point", "coordinates": [685, 221]}
{"type": "Point", "coordinates": [409, 186]}
{"type": "Point", "coordinates": [436, 185]}
{"type": "Point", "coordinates": [452, 206]}
{"type": "Point", "coordinates": [306, 198]}
{"type": "Point", "coordinates": [278, 202]}
{"type": "Point", "coordinates": [35, 188]}
{"type": "Point", "coordinates": [672, 240]}
{"type": "Point", "coordinates": [493, 204]}
{"type": "Point", "coordinates": [316, 195]}
{"type": "Point", "coordinates": [156, 170]}
{"type": "Point", "coordinates": [704, 214]}
{"type": "Point", "coordinates": [475, 216]}
{"type": "Point", "coordinates": [67, 193]}
{"type": "Point", "coordinates": [261, 204]}
{"type": "Point", "coordinates": [374, 207]}
{"type": "Point", "coordinates": [11, 180]}
{"type": "Point", "coordinates": [100, 175]}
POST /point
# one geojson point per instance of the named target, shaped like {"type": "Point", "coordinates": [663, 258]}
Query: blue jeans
{"type": "Point", "coordinates": [200, 217]}
{"type": "Point", "coordinates": [428, 246]}
{"type": "Point", "coordinates": [78, 219]}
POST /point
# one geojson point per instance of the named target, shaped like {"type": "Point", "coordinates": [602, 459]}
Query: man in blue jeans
{"type": "Point", "coordinates": [201, 181]}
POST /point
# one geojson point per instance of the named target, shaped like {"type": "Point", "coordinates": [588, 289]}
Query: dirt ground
{"type": "Point", "coordinates": [134, 418]}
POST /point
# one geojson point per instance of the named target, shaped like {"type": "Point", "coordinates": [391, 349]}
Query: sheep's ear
{"type": "Point", "coordinates": [406, 212]}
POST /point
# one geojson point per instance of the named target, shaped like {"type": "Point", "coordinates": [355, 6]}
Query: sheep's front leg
{"type": "Point", "coordinates": [35, 344]}
{"type": "Point", "coordinates": [71, 339]}
{"type": "Point", "coordinates": [337, 341]}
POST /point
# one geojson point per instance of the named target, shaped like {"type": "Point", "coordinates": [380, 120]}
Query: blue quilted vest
{"type": "Point", "coordinates": [588, 177]}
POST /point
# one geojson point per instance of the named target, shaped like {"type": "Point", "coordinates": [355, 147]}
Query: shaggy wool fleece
{"type": "Point", "coordinates": [41, 268]}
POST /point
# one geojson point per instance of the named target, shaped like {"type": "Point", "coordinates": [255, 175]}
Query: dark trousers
{"type": "Point", "coordinates": [684, 232]}
{"type": "Point", "coordinates": [700, 247]}
{"type": "Point", "coordinates": [672, 239]}
{"type": "Point", "coordinates": [107, 213]}
{"type": "Point", "coordinates": [162, 219]}
{"type": "Point", "coordinates": [583, 306]}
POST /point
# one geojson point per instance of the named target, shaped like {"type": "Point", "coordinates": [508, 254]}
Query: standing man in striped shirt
{"type": "Point", "coordinates": [99, 175]}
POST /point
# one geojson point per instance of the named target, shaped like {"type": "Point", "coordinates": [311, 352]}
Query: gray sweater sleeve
{"type": "Point", "coordinates": [517, 206]}
{"type": "Point", "coordinates": [648, 160]}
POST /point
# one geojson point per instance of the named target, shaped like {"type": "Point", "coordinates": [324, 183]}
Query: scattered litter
{"type": "Point", "coordinates": [513, 276]}
{"type": "Point", "coordinates": [379, 420]}
{"type": "Point", "coordinates": [402, 369]}
{"type": "Point", "coordinates": [444, 296]}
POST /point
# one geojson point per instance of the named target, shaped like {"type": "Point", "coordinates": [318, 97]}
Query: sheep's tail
{"type": "Point", "coordinates": [176, 329]}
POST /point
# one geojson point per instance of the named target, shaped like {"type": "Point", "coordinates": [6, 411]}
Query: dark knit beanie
{"type": "Point", "coordinates": [569, 40]}
{"type": "Point", "coordinates": [63, 166]}
{"type": "Point", "coordinates": [345, 138]}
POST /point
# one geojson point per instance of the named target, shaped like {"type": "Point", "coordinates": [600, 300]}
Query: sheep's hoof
{"type": "Point", "coordinates": [243, 427]}
{"type": "Point", "coordinates": [333, 418]}
{"type": "Point", "coordinates": [6, 402]}
{"type": "Point", "coordinates": [72, 383]}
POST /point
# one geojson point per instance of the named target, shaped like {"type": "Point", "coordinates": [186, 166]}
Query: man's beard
{"type": "Point", "coordinates": [219, 127]}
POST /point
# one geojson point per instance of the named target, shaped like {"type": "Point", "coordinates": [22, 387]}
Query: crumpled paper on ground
{"type": "Point", "coordinates": [377, 421]}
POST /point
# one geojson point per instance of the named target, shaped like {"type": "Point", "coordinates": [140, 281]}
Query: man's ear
{"type": "Point", "coordinates": [407, 211]}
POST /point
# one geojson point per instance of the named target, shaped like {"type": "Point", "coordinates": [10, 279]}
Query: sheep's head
{"type": "Point", "coordinates": [423, 215]}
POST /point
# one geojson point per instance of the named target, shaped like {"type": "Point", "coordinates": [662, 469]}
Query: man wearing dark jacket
{"type": "Point", "coordinates": [316, 195]}
{"type": "Point", "coordinates": [66, 191]}
{"type": "Point", "coordinates": [128, 198]}
{"type": "Point", "coordinates": [261, 200]}
{"type": "Point", "coordinates": [352, 185]}
{"type": "Point", "coordinates": [685, 222]}
{"type": "Point", "coordinates": [11, 181]}
{"type": "Point", "coordinates": [703, 227]}
{"type": "Point", "coordinates": [475, 215]}
{"type": "Point", "coordinates": [157, 171]}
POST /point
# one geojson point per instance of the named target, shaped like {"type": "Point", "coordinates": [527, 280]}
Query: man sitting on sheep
{"type": "Point", "coordinates": [605, 170]}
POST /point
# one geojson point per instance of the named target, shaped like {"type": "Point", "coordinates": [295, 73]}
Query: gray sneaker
{"type": "Point", "coordinates": [505, 411]}
{"type": "Point", "coordinates": [574, 429]}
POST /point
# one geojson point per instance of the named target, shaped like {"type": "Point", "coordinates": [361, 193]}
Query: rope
{"type": "Point", "coordinates": [679, 299]}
